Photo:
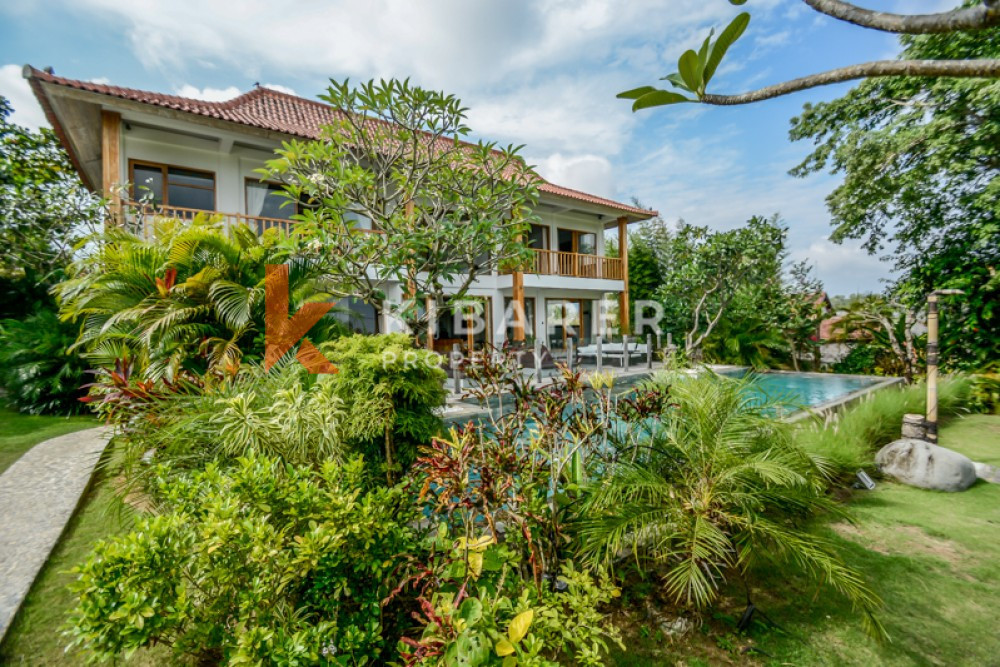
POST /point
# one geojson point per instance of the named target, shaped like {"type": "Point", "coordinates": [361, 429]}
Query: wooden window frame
{"type": "Point", "coordinates": [165, 171]}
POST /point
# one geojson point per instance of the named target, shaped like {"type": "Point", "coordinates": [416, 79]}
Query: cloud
{"type": "Point", "coordinates": [208, 94]}
{"type": "Point", "coordinates": [15, 88]}
{"type": "Point", "coordinates": [844, 269]}
{"type": "Point", "coordinates": [590, 173]}
{"type": "Point", "coordinates": [280, 88]}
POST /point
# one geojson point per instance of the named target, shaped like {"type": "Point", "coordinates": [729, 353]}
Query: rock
{"type": "Point", "coordinates": [929, 466]}
{"type": "Point", "coordinates": [987, 473]}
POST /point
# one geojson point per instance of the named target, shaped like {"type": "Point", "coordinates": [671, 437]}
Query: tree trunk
{"type": "Point", "coordinates": [389, 463]}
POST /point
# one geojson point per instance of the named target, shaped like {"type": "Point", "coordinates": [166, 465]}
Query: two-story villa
{"type": "Point", "coordinates": [191, 155]}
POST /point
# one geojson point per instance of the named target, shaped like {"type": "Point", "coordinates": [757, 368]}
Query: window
{"type": "Point", "coordinates": [584, 243]}
{"type": "Point", "coordinates": [266, 200]}
{"type": "Point", "coordinates": [529, 317]}
{"type": "Point", "coordinates": [539, 238]}
{"type": "Point", "coordinates": [178, 187]}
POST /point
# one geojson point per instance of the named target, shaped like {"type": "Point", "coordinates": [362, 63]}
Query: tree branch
{"type": "Point", "coordinates": [981, 16]}
{"type": "Point", "coordinates": [985, 69]}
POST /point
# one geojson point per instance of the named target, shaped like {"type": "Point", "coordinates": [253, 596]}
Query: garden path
{"type": "Point", "coordinates": [38, 495]}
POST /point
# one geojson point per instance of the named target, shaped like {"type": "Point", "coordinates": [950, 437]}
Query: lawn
{"type": "Point", "coordinates": [934, 558]}
{"type": "Point", "coordinates": [20, 432]}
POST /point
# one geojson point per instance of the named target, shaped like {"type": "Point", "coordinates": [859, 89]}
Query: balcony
{"type": "Point", "coordinates": [143, 215]}
{"type": "Point", "coordinates": [575, 265]}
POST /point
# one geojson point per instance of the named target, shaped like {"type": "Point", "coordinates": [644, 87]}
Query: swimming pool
{"type": "Point", "coordinates": [797, 391]}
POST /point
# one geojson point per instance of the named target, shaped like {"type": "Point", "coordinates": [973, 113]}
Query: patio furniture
{"type": "Point", "coordinates": [613, 354]}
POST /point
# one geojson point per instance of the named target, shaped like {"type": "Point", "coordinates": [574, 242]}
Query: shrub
{"type": "Point", "coordinates": [262, 564]}
{"type": "Point", "coordinates": [720, 486]}
{"type": "Point", "coordinates": [391, 393]}
{"type": "Point", "coordinates": [861, 359]}
{"type": "Point", "coordinates": [286, 413]}
{"type": "Point", "coordinates": [849, 442]}
{"type": "Point", "coordinates": [475, 610]}
{"type": "Point", "coordinates": [37, 371]}
{"type": "Point", "coordinates": [985, 395]}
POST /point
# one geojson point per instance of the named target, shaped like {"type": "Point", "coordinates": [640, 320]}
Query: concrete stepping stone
{"type": "Point", "coordinates": [38, 495]}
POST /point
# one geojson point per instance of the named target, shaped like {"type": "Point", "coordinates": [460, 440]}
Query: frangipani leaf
{"type": "Point", "coordinates": [704, 50]}
{"type": "Point", "coordinates": [635, 93]}
{"type": "Point", "coordinates": [676, 80]}
{"type": "Point", "coordinates": [690, 70]}
{"type": "Point", "coordinates": [732, 32]}
{"type": "Point", "coordinates": [659, 98]}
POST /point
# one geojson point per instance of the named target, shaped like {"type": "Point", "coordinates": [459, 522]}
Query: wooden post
{"type": "Point", "coordinates": [623, 304]}
{"type": "Point", "coordinates": [111, 127]}
{"type": "Point", "coordinates": [932, 367]}
{"type": "Point", "coordinates": [649, 351]}
{"type": "Point", "coordinates": [519, 307]}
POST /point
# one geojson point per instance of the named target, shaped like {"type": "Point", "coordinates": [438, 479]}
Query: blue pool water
{"type": "Point", "coordinates": [795, 391]}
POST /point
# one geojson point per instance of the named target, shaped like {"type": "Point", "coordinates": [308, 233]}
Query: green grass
{"type": "Point", "coordinates": [20, 432]}
{"type": "Point", "coordinates": [851, 441]}
{"type": "Point", "coordinates": [934, 558]}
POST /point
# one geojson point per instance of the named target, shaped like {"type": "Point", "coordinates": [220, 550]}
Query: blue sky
{"type": "Point", "coordinates": [540, 72]}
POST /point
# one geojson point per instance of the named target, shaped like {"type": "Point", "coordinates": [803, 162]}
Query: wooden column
{"type": "Point", "coordinates": [518, 307]}
{"type": "Point", "coordinates": [623, 303]}
{"type": "Point", "coordinates": [111, 124]}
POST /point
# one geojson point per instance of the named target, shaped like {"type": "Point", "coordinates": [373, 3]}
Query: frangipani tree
{"type": "Point", "coordinates": [443, 211]}
{"type": "Point", "coordinates": [695, 69]}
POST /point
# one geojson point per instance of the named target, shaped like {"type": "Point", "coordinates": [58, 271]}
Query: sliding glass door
{"type": "Point", "coordinates": [566, 319]}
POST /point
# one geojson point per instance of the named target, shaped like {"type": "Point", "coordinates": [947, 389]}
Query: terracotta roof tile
{"type": "Point", "coordinates": [273, 110]}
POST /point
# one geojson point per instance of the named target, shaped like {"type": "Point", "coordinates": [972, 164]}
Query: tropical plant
{"type": "Point", "coordinates": [695, 69]}
{"type": "Point", "coordinates": [722, 486]}
{"type": "Point", "coordinates": [391, 395]}
{"type": "Point", "coordinates": [475, 611]}
{"type": "Point", "coordinates": [286, 413]}
{"type": "Point", "coordinates": [37, 372]}
{"type": "Point", "coordinates": [522, 470]}
{"type": "Point", "coordinates": [191, 298]}
{"type": "Point", "coordinates": [264, 563]}
{"type": "Point", "coordinates": [446, 211]}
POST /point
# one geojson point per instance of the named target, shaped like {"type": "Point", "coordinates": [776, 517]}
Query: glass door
{"type": "Point", "coordinates": [564, 318]}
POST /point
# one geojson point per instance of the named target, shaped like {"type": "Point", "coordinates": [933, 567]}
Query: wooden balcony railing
{"type": "Point", "coordinates": [143, 215]}
{"type": "Point", "coordinates": [576, 265]}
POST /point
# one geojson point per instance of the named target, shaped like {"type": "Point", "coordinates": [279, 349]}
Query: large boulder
{"type": "Point", "coordinates": [920, 463]}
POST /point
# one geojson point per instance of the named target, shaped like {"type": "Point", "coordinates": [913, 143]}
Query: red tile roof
{"type": "Point", "coordinates": [268, 109]}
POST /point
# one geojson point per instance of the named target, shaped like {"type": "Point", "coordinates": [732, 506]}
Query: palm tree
{"type": "Point", "coordinates": [721, 486]}
{"type": "Point", "coordinates": [192, 297]}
